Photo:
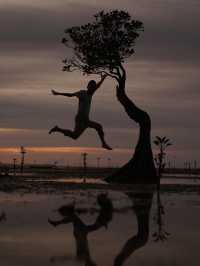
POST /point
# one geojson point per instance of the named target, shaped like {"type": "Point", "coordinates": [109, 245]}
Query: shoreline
{"type": "Point", "coordinates": [27, 185]}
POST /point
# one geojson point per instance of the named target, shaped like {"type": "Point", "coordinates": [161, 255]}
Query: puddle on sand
{"type": "Point", "coordinates": [99, 233]}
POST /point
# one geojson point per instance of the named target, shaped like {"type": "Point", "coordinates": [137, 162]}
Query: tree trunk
{"type": "Point", "coordinates": [141, 207]}
{"type": "Point", "coordinates": [140, 169]}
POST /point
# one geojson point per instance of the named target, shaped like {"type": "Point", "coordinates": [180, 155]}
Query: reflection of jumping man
{"type": "Point", "coordinates": [82, 120]}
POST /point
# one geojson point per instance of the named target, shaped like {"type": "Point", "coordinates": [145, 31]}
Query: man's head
{"type": "Point", "coordinates": [91, 87]}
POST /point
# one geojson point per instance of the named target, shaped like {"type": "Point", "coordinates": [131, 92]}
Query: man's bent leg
{"type": "Point", "coordinates": [65, 132]}
{"type": "Point", "coordinates": [68, 133]}
{"type": "Point", "coordinates": [98, 127]}
{"type": "Point", "coordinates": [65, 220]}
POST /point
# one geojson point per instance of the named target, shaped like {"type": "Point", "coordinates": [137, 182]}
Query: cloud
{"type": "Point", "coordinates": [167, 36]}
{"type": "Point", "coordinates": [36, 27]}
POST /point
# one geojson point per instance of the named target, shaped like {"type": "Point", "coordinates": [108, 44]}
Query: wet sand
{"type": "Point", "coordinates": [26, 237]}
{"type": "Point", "coordinates": [59, 186]}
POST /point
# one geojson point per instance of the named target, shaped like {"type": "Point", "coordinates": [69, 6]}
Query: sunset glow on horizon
{"type": "Point", "coordinates": [91, 150]}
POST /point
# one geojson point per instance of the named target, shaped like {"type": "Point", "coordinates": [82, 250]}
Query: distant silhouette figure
{"type": "Point", "coordinates": [82, 120]}
{"type": "Point", "coordinates": [2, 217]}
{"type": "Point", "coordinates": [81, 230]}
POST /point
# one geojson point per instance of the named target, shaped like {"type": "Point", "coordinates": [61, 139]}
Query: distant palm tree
{"type": "Point", "coordinates": [23, 152]}
{"type": "Point", "coordinates": [162, 143]}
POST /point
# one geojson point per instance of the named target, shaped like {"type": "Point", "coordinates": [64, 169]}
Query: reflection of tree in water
{"type": "Point", "coordinates": [81, 230]}
{"type": "Point", "coordinates": [160, 234]}
{"type": "Point", "coordinates": [141, 206]}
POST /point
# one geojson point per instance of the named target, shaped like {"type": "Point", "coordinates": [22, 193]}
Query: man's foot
{"type": "Point", "coordinates": [54, 129]}
{"type": "Point", "coordinates": [52, 222]}
{"type": "Point", "coordinates": [105, 146]}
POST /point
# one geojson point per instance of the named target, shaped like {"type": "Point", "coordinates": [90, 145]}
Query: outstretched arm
{"type": "Point", "coordinates": [101, 81]}
{"type": "Point", "coordinates": [98, 84]}
{"type": "Point", "coordinates": [64, 94]}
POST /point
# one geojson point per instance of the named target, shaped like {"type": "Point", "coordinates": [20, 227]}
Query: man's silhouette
{"type": "Point", "coordinates": [82, 120]}
{"type": "Point", "coordinates": [81, 230]}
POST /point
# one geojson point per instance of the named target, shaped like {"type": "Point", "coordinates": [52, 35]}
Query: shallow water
{"type": "Point", "coordinates": [164, 180]}
{"type": "Point", "coordinates": [182, 181]}
{"type": "Point", "coordinates": [26, 237]}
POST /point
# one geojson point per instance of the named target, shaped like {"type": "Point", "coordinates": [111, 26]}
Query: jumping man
{"type": "Point", "coordinates": [82, 120]}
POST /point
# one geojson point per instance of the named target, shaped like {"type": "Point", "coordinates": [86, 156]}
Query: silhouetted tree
{"type": "Point", "coordinates": [101, 47]}
{"type": "Point", "coordinates": [162, 143]}
{"type": "Point", "coordinates": [23, 152]}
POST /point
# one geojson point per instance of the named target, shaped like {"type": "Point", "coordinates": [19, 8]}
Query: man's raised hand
{"type": "Point", "coordinates": [103, 76]}
{"type": "Point", "coordinates": [54, 92]}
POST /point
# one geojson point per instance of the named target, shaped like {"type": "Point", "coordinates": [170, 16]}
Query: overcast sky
{"type": "Point", "coordinates": [163, 79]}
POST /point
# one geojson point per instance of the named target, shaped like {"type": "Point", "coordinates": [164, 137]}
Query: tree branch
{"type": "Point", "coordinates": [110, 75]}
{"type": "Point", "coordinates": [118, 72]}
{"type": "Point", "coordinates": [106, 73]}
{"type": "Point", "coordinates": [123, 71]}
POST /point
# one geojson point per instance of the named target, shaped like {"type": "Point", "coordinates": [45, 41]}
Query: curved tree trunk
{"type": "Point", "coordinates": [140, 169]}
{"type": "Point", "coordinates": [141, 207]}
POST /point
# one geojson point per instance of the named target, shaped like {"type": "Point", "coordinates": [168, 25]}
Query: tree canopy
{"type": "Point", "coordinates": [102, 45]}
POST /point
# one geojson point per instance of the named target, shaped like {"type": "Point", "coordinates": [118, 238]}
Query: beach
{"type": "Point", "coordinates": [26, 236]}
